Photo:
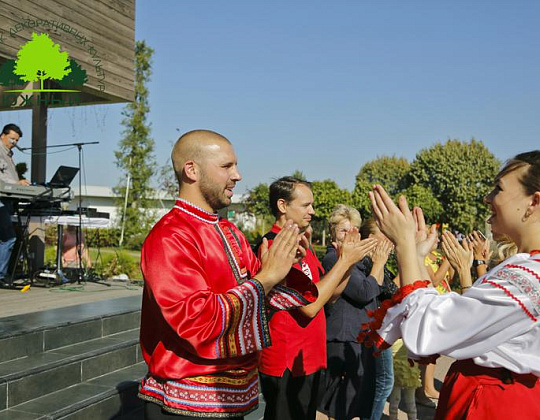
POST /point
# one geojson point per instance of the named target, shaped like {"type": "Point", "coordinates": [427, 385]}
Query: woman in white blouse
{"type": "Point", "coordinates": [493, 328]}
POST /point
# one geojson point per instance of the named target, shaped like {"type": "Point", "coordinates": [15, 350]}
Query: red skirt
{"type": "Point", "coordinates": [475, 392]}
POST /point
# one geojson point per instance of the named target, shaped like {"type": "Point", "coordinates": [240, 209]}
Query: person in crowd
{"type": "Point", "coordinates": [382, 364]}
{"type": "Point", "coordinates": [472, 251]}
{"type": "Point", "coordinates": [11, 133]}
{"type": "Point", "coordinates": [290, 368]}
{"type": "Point", "coordinates": [460, 256]}
{"type": "Point", "coordinates": [70, 253]}
{"type": "Point", "coordinates": [440, 273]}
{"type": "Point", "coordinates": [203, 319]}
{"type": "Point", "coordinates": [481, 252]}
{"type": "Point", "coordinates": [406, 382]}
{"type": "Point", "coordinates": [439, 270]}
{"type": "Point", "coordinates": [344, 394]}
{"type": "Point", "coordinates": [493, 328]}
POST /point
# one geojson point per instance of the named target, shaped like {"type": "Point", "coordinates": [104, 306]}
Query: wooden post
{"type": "Point", "coordinates": [39, 141]}
{"type": "Point", "coordinates": [38, 175]}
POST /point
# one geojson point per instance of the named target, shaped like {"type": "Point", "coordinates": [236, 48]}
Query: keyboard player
{"type": "Point", "coordinates": [10, 136]}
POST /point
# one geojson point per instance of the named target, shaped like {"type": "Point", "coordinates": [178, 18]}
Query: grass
{"type": "Point", "coordinates": [108, 262]}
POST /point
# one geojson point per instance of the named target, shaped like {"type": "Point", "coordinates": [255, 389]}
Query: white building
{"type": "Point", "coordinates": [103, 200]}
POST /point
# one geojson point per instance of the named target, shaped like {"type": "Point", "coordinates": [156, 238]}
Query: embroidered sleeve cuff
{"type": "Point", "coordinates": [245, 327]}
{"type": "Point", "coordinates": [284, 298]}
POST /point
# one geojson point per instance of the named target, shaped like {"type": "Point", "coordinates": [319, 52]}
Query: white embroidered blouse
{"type": "Point", "coordinates": [496, 322]}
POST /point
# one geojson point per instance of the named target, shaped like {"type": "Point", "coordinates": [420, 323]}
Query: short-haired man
{"type": "Point", "coordinates": [290, 368]}
{"type": "Point", "coordinates": [11, 133]}
{"type": "Point", "coordinates": [203, 318]}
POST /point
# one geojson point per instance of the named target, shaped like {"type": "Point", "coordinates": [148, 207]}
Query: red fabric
{"type": "Point", "coordinates": [203, 319]}
{"type": "Point", "coordinates": [474, 392]}
{"type": "Point", "coordinates": [186, 274]}
{"type": "Point", "coordinates": [370, 337]}
{"type": "Point", "coordinates": [298, 342]}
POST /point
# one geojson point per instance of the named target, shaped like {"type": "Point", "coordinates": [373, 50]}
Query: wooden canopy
{"type": "Point", "coordinates": [98, 34]}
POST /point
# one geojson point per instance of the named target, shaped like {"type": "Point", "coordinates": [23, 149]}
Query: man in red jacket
{"type": "Point", "coordinates": [203, 318]}
{"type": "Point", "coordinates": [290, 368]}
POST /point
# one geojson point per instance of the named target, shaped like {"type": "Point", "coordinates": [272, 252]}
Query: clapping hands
{"type": "Point", "coordinates": [399, 223]}
{"type": "Point", "coordinates": [460, 256]}
{"type": "Point", "coordinates": [480, 245]}
{"type": "Point", "coordinates": [353, 249]}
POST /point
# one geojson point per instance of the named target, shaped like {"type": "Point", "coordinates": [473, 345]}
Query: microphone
{"type": "Point", "coordinates": [14, 143]}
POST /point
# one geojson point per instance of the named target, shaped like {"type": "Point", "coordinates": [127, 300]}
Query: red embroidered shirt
{"type": "Point", "coordinates": [203, 318]}
{"type": "Point", "coordinates": [298, 342]}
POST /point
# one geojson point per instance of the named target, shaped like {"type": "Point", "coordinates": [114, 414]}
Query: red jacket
{"type": "Point", "coordinates": [298, 342]}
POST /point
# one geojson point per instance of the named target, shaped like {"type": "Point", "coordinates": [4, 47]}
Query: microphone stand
{"type": "Point", "coordinates": [78, 242]}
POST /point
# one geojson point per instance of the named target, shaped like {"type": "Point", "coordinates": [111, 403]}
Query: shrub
{"type": "Point", "coordinates": [120, 262]}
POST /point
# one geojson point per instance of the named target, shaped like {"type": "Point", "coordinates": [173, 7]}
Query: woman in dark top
{"type": "Point", "coordinates": [343, 397]}
{"type": "Point", "coordinates": [383, 364]}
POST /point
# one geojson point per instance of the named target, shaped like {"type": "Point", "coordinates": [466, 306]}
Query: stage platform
{"type": "Point", "coordinates": [13, 302]}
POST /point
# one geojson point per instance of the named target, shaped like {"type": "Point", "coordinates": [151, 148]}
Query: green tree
{"type": "Point", "coordinates": [135, 154]}
{"type": "Point", "coordinates": [360, 197]}
{"type": "Point", "coordinates": [423, 197]}
{"type": "Point", "coordinates": [41, 59]}
{"type": "Point", "coordinates": [76, 77]}
{"type": "Point", "coordinates": [7, 77]}
{"type": "Point", "coordinates": [258, 203]}
{"type": "Point", "coordinates": [459, 174]}
{"type": "Point", "coordinates": [167, 179]}
{"type": "Point", "coordinates": [327, 194]}
{"type": "Point", "coordinates": [389, 171]}
{"type": "Point", "coordinates": [299, 174]}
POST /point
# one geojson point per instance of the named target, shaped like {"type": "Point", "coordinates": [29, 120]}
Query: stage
{"type": "Point", "coordinates": [13, 302]}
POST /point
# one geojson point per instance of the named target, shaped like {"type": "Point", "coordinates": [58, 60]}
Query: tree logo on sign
{"type": "Point", "coordinates": [40, 59]}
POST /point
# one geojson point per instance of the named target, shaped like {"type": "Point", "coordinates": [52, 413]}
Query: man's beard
{"type": "Point", "coordinates": [213, 194]}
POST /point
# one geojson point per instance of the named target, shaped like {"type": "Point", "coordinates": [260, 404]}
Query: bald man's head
{"type": "Point", "coordinates": [195, 146]}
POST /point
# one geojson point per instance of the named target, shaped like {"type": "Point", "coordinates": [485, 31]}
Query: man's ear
{"type": "Point", "coordinates": [282, 205]}
{"type": "Point", "coordinates": [191, 170]}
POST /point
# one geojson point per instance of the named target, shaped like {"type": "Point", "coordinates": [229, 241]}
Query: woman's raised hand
{"type": "Point", "coordinates": [460, 256]}
{"type": "Point", "coordinates": [397, 223]}
{"type": "Point", "coordinates": [425, 238]}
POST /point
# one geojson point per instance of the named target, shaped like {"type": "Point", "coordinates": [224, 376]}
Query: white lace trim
{"type": "Point", "coordinates": [212, 222]}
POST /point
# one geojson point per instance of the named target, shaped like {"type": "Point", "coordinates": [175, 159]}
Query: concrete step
{"type": "Point", "coordinates": [30, 334]}
{"type": "Point", "coordinates": [40, 374]}
{"type": "Point", "coordinates": [109, 396]}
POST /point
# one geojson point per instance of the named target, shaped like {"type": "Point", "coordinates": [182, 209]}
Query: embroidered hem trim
{"type": "Point", "coordinates": [228, 394]}
{"type": "Point", "coordinates": [193, 413]}
{"type": "Point", "coordinates": [371, 337]}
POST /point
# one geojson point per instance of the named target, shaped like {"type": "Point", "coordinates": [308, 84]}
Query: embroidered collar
{"type": "Point", "coordinates": [196, 212]}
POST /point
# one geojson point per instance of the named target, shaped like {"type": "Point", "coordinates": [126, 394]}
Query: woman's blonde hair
{"type": "Point", "coordinates": [343, 212]}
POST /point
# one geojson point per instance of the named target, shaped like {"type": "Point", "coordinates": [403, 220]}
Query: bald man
{"type": "Point", "coordinates": [203, 318]}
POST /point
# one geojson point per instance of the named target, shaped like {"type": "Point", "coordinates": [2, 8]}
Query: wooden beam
{"type": "Point", "coordinates": [39, 141]}
{"type": "Point", "coordinates": [38, 175]}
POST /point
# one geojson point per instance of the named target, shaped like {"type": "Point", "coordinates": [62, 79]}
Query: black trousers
{"type": "Point", "coordinates": [154, 412]}
{"type": "Point", "coordinates": [290, 398]}
{"type": "Point", "coordinates": [346, 391]}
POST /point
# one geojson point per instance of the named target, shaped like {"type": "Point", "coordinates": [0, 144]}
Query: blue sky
{"type": "Point", "coordinates": [323, 86]}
